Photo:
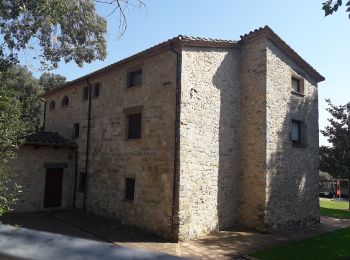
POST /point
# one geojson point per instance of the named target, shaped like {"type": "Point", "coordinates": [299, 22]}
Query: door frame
{"type": "Point", "coordinates": [47, 170]}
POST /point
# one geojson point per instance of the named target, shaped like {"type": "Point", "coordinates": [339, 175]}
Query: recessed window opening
{"type": "Point", "coordinates": [296, 132]}
{"type": "Point", "coordinates": [134, 78]}
{"type": "Point", "coordinates": [97, 87]}
{"type": "Point", "coordinates": [65, 101]}
{"type": "Point", "coordinates": [129, 189]}
{"type": "Point", "coordinates": [134, 126]}
{"type": "Point", "coordinates": [86, 93]}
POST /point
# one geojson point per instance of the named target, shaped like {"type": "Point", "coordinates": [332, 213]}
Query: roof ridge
{"type": "Point", "coordinates": [203, 41]}
{"type": "Point", "coordinates": [286, 48]}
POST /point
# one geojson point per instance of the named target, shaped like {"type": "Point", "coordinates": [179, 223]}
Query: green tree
{"type": "Point", "coordinates": [331, 6]}
{"type": "Point", "coordinates": [49, 81]}
{"type": "Point", "coordinates": [11, 129]}
{"type": "Point", "coordinates": [335, 159]}
{"type": "Point", "coordinates": [28, 90]}
{"type": "Point", "coordinates": [64, 30]}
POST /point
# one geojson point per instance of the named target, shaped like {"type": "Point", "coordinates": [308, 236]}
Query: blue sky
{"type": "Point", "coordinates": [323, 42]}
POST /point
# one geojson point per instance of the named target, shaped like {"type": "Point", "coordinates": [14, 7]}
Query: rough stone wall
{"type": "Point", "coordinates": [149, 160]}
{"type": "Point", "coordinates": [30, 174]}
{"type": "Point", "coordinates": [292, 172]}
{"type": "Point", "coordinates": [209, 140]}
{"type": "Point", "coordinates": [252, 133]}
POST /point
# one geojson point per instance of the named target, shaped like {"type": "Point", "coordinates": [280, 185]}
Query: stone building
{"type": "Point", "coordinates": [187, 137]}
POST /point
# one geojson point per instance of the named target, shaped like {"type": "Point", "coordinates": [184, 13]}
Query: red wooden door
{"type": "Point", "coordinates": [53, 188]}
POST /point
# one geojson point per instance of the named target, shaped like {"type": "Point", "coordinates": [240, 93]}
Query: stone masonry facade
{"type": "Point", "coordinates": [30, 175]}
{"type": "Point", "coordinates": [216, 148]}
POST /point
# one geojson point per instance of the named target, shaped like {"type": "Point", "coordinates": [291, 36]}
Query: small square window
{"type": "Point", "coordinates": [296, 134]}
{"type": "Point", "coordinates": [82, 181]}
{"type": "Point", "coordinates": [134, 126]}
{"type": "Point", "coordinates": [129, 189]}
{"type": "Point", "coordinates": [86, 93]}
{"type": "Point", "coordinates": [97, 89]}
{"type": "Point", "coordinates": [76, 130]}
{"type": "Point", "coordinates": [134, 78]}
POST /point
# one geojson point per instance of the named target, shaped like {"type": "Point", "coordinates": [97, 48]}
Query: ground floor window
{"type": "Point", "coordinates": [129, 189]}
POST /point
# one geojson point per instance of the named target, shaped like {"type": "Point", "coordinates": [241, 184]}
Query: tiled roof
{"type": "Point", "coordinates": [183, 39]}
{"type": "Point", "coordinates": [201, 41]}
{"type": "Point", "coordinates": [47, 139]}
{"type": "Point", "coordinates": [268, 32]}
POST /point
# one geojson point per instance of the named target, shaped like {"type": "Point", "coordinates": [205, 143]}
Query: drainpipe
{"type": "Point", "coordinates": [87, 145]}
{"type": "Point", "coordinates": [75, 176]}
{"type": "Point", "coordinates": [175, 206]}
{"type": "Point", "coordinates": [43, 127]}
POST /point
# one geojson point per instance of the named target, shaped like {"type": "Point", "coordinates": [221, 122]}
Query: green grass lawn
{"type": "Point", "coordinates": [335, 209]}
{"type": "Point", "coordinates": [333, 245]}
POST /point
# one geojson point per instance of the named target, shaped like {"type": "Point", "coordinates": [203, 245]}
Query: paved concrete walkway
{"type": "Point", "coordinates": [222, 245]}
{"type": "Point", "coordinates": [22, 243]}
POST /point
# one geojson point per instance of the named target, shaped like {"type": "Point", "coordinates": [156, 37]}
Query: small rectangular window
{"type": "Point", "coordinates": [297, 85]}
{"type": "Point", "coordinates": [86, 93]}
{"type": "Point", "coordinates": [134, 126]}
{"type": "Point", "coordinates": [134, 78]}
{"type": "Point", "coordinates": [82, 181]}
{"type": "Point", "coordinates": [97, 89]}
{"type": "Point", "coordinates": [296, 132]}
{"type": "Point", "coordinates": [76, 130]}
{"type": "Point", "coordinates": [129, 189]}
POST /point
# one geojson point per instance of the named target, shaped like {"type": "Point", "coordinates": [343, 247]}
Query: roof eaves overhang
{"type": "Point", "coordinates": [178, 41]}
{"type": "Point", "coordinates": [273, 37]}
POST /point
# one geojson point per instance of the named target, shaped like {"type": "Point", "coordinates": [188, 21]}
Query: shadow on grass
{"type": "Point", "coordinates": [334, 245]}
{"type": "Point", "coordinates": [335, 213]}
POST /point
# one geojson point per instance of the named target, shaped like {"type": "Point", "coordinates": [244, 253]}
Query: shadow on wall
{"type": "Point", "coordinates": [228, 165]}
{"type": "Point", "coordinates": [292, 169]}
{"type": "Point", "coordinates": [291, 185]}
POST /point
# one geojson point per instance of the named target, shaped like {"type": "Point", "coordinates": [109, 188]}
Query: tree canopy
{"type": "Point", "coordinates": [335, 159]}
{"type": "Point", "coordinates": [49, 81]}
{"type": "Point", "coordinates": [11, 124]}
{"type": "Point", "coordinates": [64, 30]}
{"type": "Point", "coordinates": [331, 6]}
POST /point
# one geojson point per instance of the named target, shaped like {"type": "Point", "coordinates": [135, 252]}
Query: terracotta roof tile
{"type": "Point", "coordinates": [210, 42]}
{"type": "Point", "coordinates": [268, 32]}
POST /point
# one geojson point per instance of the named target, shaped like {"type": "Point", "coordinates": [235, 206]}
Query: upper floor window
{"type": "Point", "coordinates": [134, 126]}
{"type": "Point", "coordinates": [97, 87]}
{"type": "Point", "coordinates": [52, 105]}
{"type": "Point", "coordinates": [65, 101]}
{"type": "Point", "coordinates": [86, 93]}
{"type": "Point", "coordinates": [297, 134]}
{"type": "Point", "coordinates": [297, 85]}
{"type": "Point", "coordinates": [134, 78]}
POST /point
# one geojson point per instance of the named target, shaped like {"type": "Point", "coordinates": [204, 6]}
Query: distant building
{"type": "Point", "coordinates": [189, 136]}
